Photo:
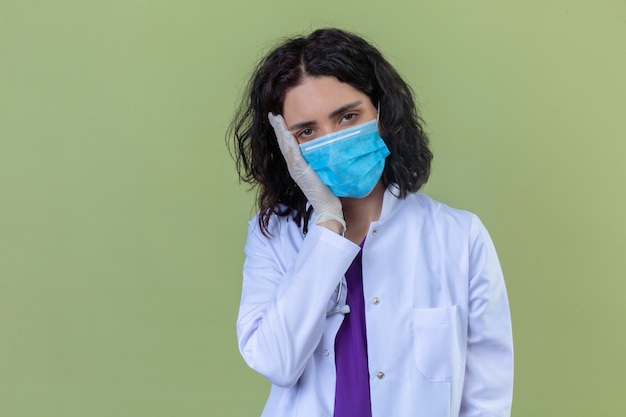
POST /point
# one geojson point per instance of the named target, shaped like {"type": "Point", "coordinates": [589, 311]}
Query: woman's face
{"type": "Point", "coordinates": [322, 105]}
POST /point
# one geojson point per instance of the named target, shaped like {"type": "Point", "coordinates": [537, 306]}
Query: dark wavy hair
{"type": "Point", "coordinates": [352, 60]}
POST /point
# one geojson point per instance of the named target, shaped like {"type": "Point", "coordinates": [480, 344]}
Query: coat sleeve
{"type": "Point", "coordinates": [488, 386]}
{"type": "Point", "coordinates": [283, 302]}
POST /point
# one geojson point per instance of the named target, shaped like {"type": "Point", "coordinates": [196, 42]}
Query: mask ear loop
{"type": "Point", "coordinates": [378, 111]}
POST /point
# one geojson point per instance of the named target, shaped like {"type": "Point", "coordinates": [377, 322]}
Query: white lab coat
{"type": "Point", "coordinates": [437, 316]}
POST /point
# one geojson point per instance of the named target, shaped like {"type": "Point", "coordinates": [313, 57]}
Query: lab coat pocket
{"type": "Point", "coordinates": [437, 343]}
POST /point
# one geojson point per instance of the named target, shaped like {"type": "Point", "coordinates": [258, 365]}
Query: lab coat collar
{"type": "Point", "coordinates": [390, 200]}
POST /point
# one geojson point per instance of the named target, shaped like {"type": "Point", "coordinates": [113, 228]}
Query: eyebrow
{"type": "Point", "coordinates": [330, 116]}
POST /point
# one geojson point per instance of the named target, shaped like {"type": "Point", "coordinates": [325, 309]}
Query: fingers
{"type": "Point", "coordinates": [277, 122]}
{"type": "Point", "coordinates": [286, 142]}
{"type": "Point", "coordinates": [280, 129]}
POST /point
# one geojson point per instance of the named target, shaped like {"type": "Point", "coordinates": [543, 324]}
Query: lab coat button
{"type": "Point", "coordinates": [374, 232]}
{"type": "Point", "coordinates": [326, 352]}
{"type": "Point", "coordinates": [380, 375]}
{"type": "Point", "coordinates": [375, 300]}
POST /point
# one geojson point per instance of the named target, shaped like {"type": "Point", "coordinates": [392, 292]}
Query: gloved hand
{"type": "Point", "coordinates": [327, 206]}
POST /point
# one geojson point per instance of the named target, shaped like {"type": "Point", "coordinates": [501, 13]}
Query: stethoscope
{"type": "Point", "coordinates": [344, 309]}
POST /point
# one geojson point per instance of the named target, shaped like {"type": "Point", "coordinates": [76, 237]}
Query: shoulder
{"type": "Point", "coordinates": [451, 222]}
{"type": "Point", "coordinates": [429, 209]}
{"type": "Point", "coordinates": [420, 213]}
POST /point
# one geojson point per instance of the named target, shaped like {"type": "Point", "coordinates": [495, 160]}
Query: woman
{"type": "Point", "coordinates": [361, 297]}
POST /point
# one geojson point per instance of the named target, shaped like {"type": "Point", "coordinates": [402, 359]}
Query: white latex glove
{"type": "Point", "coordinates": [327, 206]}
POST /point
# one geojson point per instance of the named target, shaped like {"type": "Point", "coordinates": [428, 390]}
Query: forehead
{"type": "Point", "coordinates": [316, 97]}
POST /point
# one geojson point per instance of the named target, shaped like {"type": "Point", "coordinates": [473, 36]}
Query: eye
{"type": "Point", "coordinates": [348, 117]}
{"type": "Point", "coordinates": [305, 133]}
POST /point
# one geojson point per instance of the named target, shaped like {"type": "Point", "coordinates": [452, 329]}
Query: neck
{"type": "Point", "coordinates": [360, 212]}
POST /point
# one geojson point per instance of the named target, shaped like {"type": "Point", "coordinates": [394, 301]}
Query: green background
{"type": "Point", "coordinates": [122, 221]}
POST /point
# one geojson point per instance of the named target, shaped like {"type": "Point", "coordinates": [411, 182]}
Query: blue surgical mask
{"type": "Point", "coordinates": [350, 161]}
